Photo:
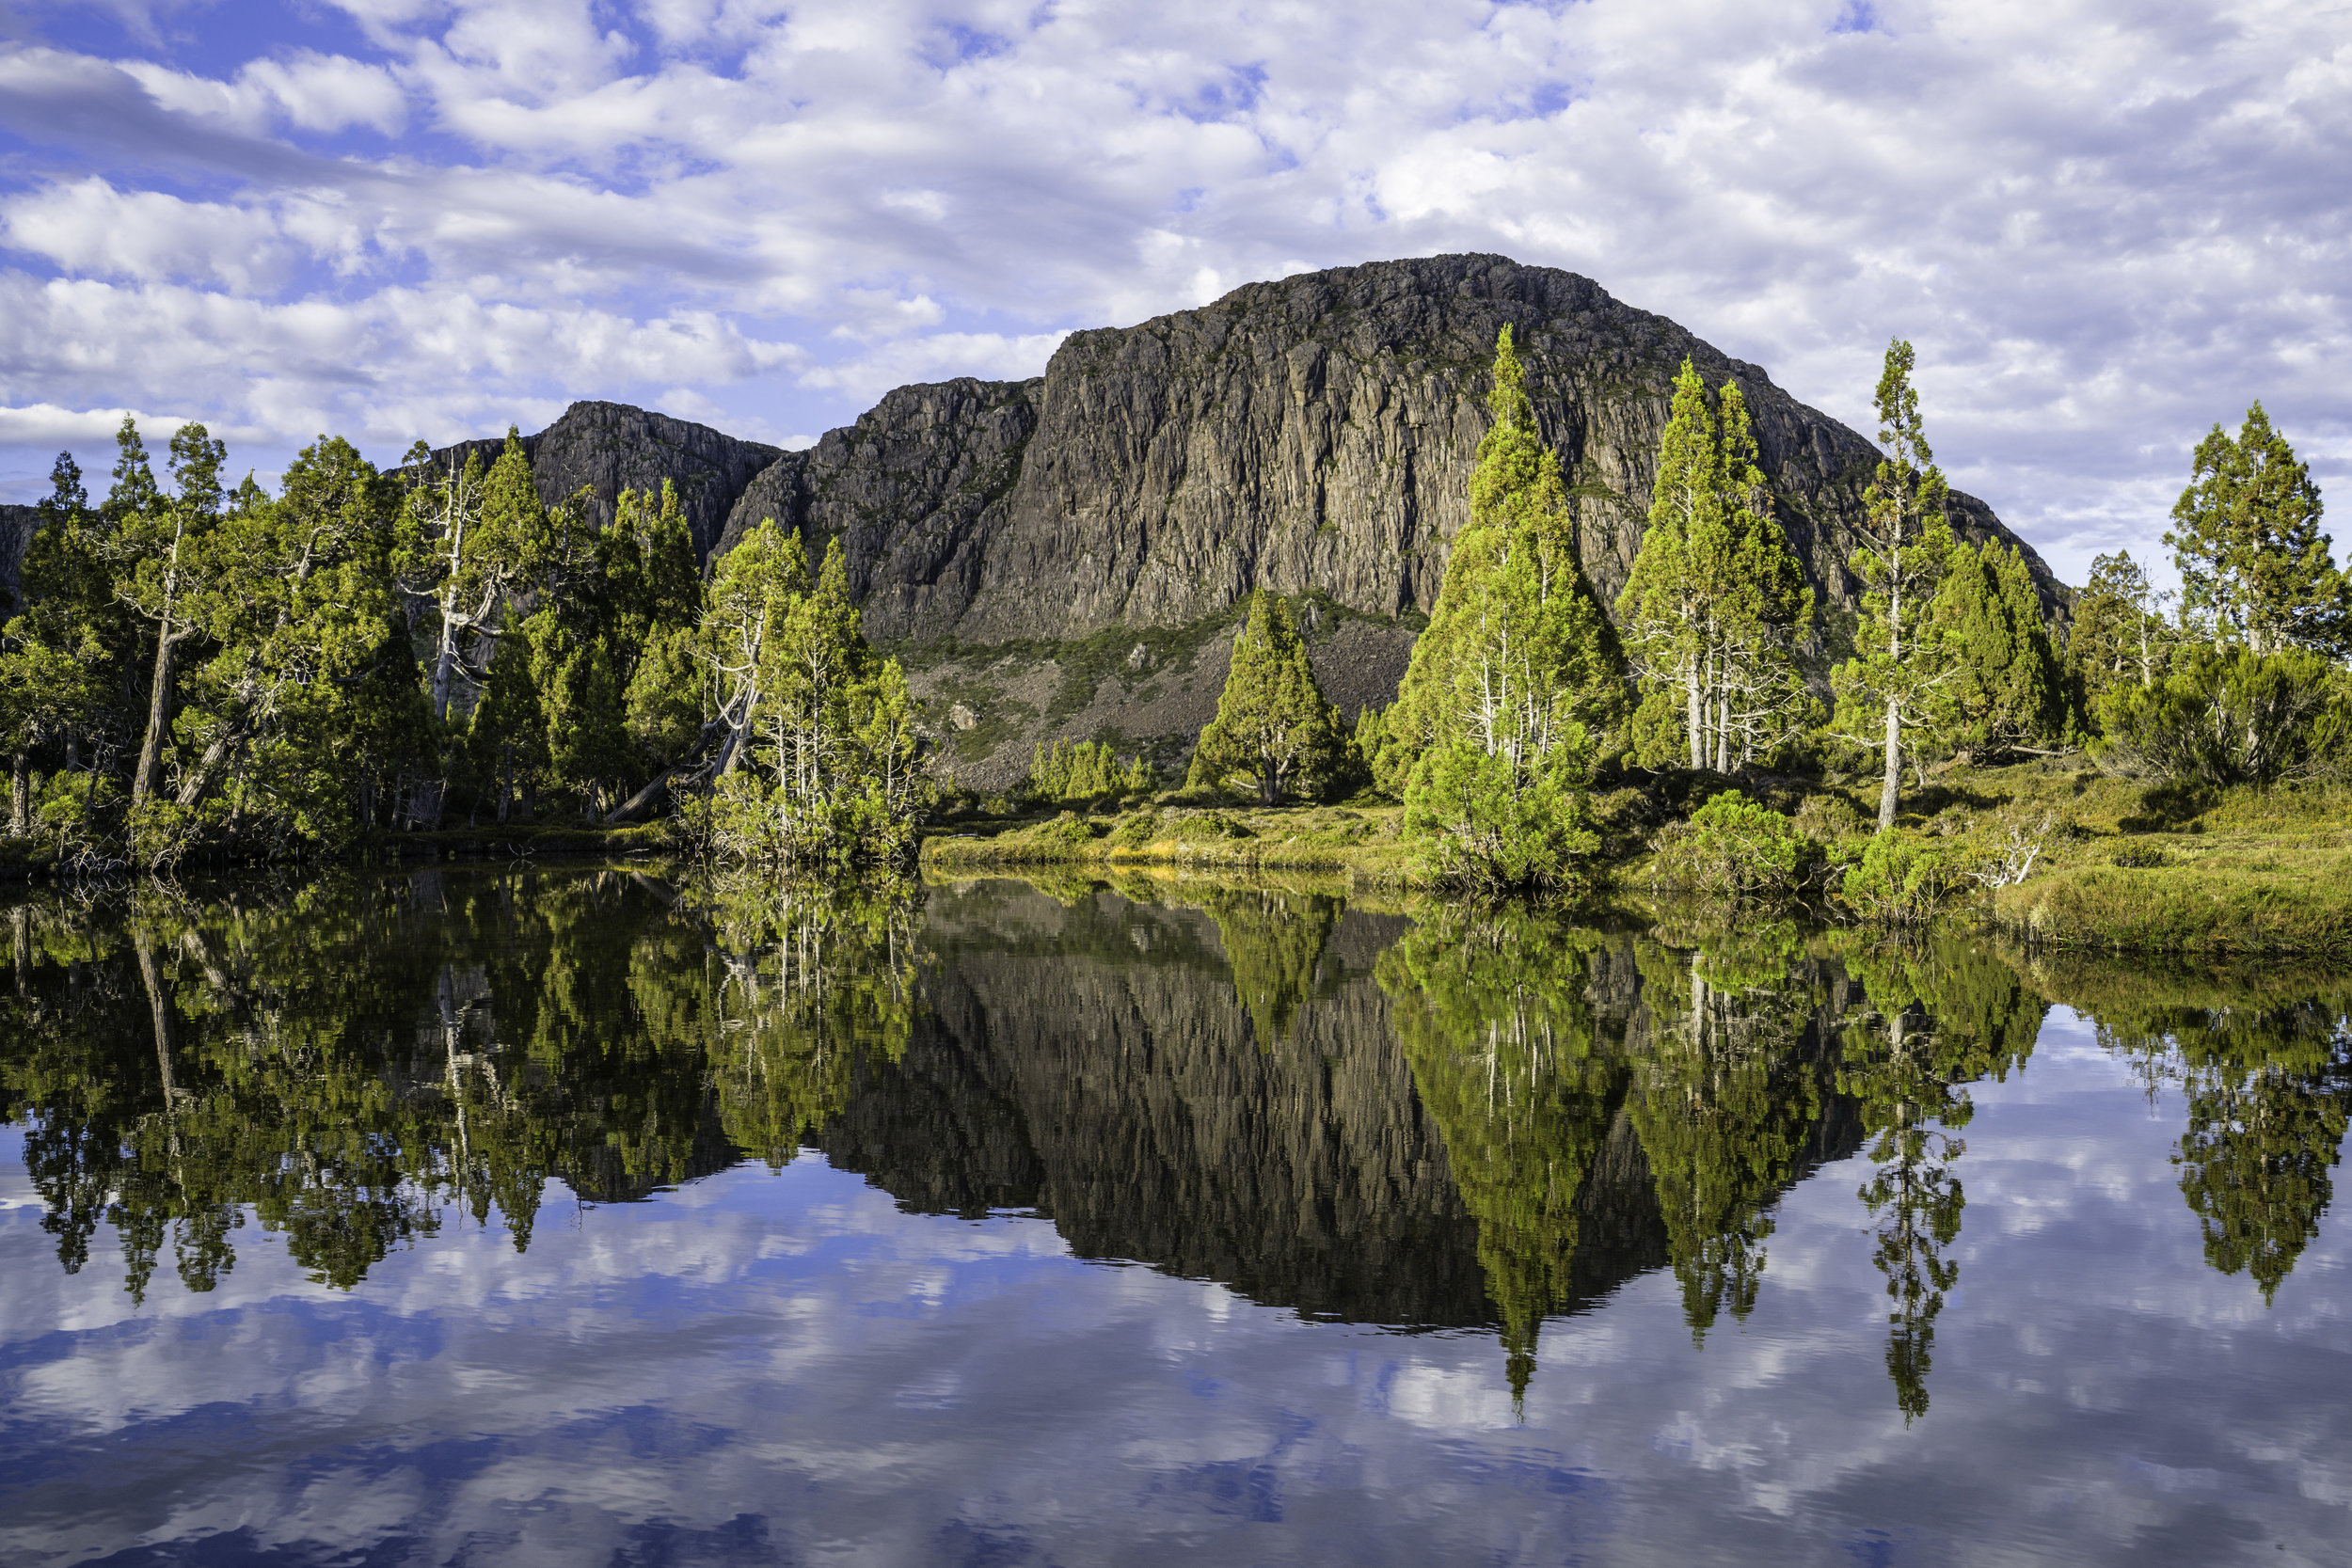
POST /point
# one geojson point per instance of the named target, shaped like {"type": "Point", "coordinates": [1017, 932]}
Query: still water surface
{"type": "Point", "coordinates": [582, 1217]}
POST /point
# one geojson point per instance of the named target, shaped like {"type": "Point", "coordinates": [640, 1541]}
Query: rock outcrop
{"type": "Point", "coordinates": [1313, 436]}
{"type": "Point", "coordinates": [16, 532]}
{"type": "Point", "coordinates": [1314, 433]}
{"type": "Point", "coordinates": [606, 448]}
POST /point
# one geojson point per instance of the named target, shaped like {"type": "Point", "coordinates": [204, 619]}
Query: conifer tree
{"type": "Point", "coordinates": [2007, 685]}
{"type": "Point", "coordinates": [1887, 686]}
{"type": "Point", "coordinates": [165, 544]}
{"type": "Point", "coordinates": [64, 654]}
{"type": "Point", "coordinates": [2254, 566]}
{"type": "Point", "coordinates": [1273, 727]}
{"type": "Point", "coordinates": [1715, 603]}
{"type": "Point", "coordinates": [1494, 728]}
{"type": "Point", "coordinates": [1663, 606]}
{"type": "Point", "coordinates": [2120, 636]}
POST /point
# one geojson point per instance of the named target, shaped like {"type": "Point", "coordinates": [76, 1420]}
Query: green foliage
{"type": "Point", "coordinates": [1494, 729]}
{"type": "Point", "coordinates": [2005, 689]}
{"type": "Point", "coordinates": [1905, 879]}
{"type": "Point", "coordinates": [1274, 943]}
{"type": "Point", "coordinates": [1715, 604]}
{"type": "Point", "coordinates": [1491, 1010]}
{"type": "Point", "coordinates": [1891, 683]}
{"type": "Point", "coordinates": [2254, 567]}
{"type": "Point", "coordinates": [1734, 848]}
{"type": "Point", "coordinates": [825, 723]}
{"type": "Point", "coordinates": [1086, 770]}
{"type": "Point", "coordinates": [1273, 730]}
{"type": "Point", "coordinates": [2227, 716]}
{"type": "Point", "coordinates": [2119, 636]}
{"type": "Point", "coordinates": [1941, 1016]}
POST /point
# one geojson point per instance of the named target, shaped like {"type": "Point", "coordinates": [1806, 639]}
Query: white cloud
{"type": "Point", "coordinates": [2104, 225]}
{"type": "Point", "coordinates": [308, 91]}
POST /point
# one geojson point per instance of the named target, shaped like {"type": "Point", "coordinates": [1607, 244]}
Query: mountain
{"type": "Point", "coordinates": [1066, 555]}
{"type": "Point", "coordinates": [606, 448]}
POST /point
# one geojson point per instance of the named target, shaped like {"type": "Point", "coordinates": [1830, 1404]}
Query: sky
{"type": "Point", "coordinates": [2106, 224]}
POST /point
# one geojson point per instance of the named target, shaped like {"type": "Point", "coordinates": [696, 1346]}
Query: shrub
{"type": "Point", "coordinates": [1069, 828]}
{"type": "Point", "coordinates": [2226, 715]}
{"type": "Point", "coordinates": [1903, 879]}
{"type": "Point", "coordinates": [2143, 856]}
{"type": "Point", "coordinates": [1136, 830]}
{"type": "Point", "coordinates": [1084, 771]}
{"type": "Point", "coordinates": [1733, 846]}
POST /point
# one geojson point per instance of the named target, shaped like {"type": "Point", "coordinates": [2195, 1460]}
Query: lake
{"type": "Point", "coordinates": [589, 1216]}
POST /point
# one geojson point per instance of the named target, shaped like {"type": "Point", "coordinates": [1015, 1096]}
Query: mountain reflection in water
{"type": "Point", "coordinates": [1446, 1118]}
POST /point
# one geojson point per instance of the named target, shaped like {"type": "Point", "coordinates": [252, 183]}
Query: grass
{"type": "Point", "coordinates": [1361, 841]}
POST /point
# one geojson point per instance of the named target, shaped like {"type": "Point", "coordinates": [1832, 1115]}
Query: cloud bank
{"type": "Point", "coordinates": [2104, 226]}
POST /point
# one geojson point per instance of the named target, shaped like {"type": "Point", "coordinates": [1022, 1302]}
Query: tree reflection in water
{"type": "Point", "coordinates": [2263, 1058]}
{"type": "Point", "coordinates": [1341, 1112]}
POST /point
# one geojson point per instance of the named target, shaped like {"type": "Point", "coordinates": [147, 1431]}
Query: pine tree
{"type": "Point", "coordinates": [1664, 609]}
{"type": "Point", "coordinates": [2245, 537]}
{"type": "Point", "coordinates": [1493, 731]}
{"type": "Point", "coordinates": [167, 567]}
{"type": "Point", "coordinates": [1889, 683]}
{"type": "Point", "coordinates": [1273, 727]}
{"type": "Point", "coordinates": [64, 655]}
{"type": "Point", "coordinates": [2120, 636]}
{"type": "Point", "coordinates": [2006, 688]}
{"type": "Point", "coordinates": [1715, 603]}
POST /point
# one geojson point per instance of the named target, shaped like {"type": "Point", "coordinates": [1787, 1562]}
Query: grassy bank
{"type": "Point", "coordinates": [26, 860]}
{"type": "Point", "coordinates": [1363, 843]}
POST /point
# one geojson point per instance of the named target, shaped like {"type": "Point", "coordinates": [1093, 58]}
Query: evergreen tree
{"type": "Point", "coordinates": [1890, 683]}
{"type": "Point", "coordinates": [1493, 731]}
{"type": "Point", "coordinates": [2119, 635]}
{"type": "Point", "coordinates": [2254, 566]}
{"type": "Point", "coordinates": [1716, 602]}
{"type": "Point", "coordinates": [64, 656]}
{"type": "Point", "coordinates": [1663, 610]}
{"type": "Point", "coordinates": [2007, 690]}
{"type": "Point", "coordinates": [507, 735]}
{"type": "Point", "coordinates": [1273, 728]}
{"type": "Point", "coordinates": [164, 545]}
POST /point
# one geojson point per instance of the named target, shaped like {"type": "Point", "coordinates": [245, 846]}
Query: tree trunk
{"type": "Point", "coordinates": [1894, 764]}
{"type": "Point", "coordinates": [1697, 702]}
{"type": "Point", "coordinates": [151, 768]}
{"type": "Point", "coordinates": [19, 794]}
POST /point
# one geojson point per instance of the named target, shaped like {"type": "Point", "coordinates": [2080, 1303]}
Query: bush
{"type": "Point", "coordinates": [1069, 828]}
{"type": "Point", "coordinates": [1136, 830]}
{"type": "Point", "coordinates": [2226, 715]}
{"type": "Point", "coordinates": [2139, 855]}
{"type": "Point", "coordinates": [1903, 879]}
{"type": "Point", "coordinates": [1733, 846]}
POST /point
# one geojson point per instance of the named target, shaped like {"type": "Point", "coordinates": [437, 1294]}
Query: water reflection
{"type": "Point", "coordinates": [2264, 1059]}
{"type": "Point", "coordinates": [1441, 1118]}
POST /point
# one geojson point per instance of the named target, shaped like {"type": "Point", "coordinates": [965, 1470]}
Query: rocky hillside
{"type": "Point", "coordinates": [606, 448]}
{"type": "Point", "coordinates": [1062, 556]}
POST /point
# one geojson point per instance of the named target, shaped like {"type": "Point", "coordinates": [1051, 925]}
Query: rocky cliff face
{"type": "Point", "coordinates": [16, 531]}
{"type": "Point", "coordinates": [1313, 436]}
{"type": "Point", "coordinates": [1314, 433]}
{"type": "Point", "coordinates": [606, 448]}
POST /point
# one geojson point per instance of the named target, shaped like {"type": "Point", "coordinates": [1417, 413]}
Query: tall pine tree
{"type": "Point", "coordinates": [2007, 685]}
{"type": "Point", "coordinates": [1494, 728]}
{"type": "Point", "coordinates": [1273, 728]}
{"type": "Point", "coordinates": [1888, 685]}
{"type": "Point", "coordinates": [2254, 566]}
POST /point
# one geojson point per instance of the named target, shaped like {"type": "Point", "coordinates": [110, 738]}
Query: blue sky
{"type": "Point", "coordinates": [2106, 224]}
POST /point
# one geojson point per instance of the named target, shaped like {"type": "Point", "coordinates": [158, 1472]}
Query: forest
{"type": "Point", "coordinates": [201, 670]}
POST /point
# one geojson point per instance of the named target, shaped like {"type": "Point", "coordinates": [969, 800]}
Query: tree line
{"type": "Point", "coordinates": [1520, 691]}
{"type": "Point", "coordinates": [196, 667]}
